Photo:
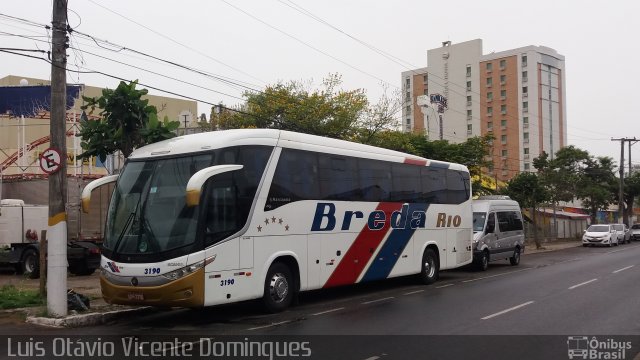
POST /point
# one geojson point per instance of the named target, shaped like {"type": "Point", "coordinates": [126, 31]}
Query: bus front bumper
{"type": "Point", "coordinates": [184, 292]}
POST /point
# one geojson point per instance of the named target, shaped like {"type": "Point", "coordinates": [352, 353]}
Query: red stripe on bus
{"type": "Point", "coordinates": [361, 250]}
{"type": "Point", "coordinates": [415, 162]}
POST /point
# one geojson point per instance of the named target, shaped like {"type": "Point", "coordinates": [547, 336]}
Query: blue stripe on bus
{"type": "Point", "coordinates": [392, 249]}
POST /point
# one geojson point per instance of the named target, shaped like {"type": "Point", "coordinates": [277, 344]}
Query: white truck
{"type": "Point", "coordinates": [21, 227]}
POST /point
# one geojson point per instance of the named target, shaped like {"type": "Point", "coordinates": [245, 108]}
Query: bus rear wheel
{"type": "Point", "coordinates": [429, 271]}
{"type": "Point", "coordinates": [278, 288]}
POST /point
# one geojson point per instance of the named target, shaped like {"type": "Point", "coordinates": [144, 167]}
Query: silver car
{"type": "Point", "coordinates": [635, 231]}
{"type": "Point", "coordinates": [622, 232]}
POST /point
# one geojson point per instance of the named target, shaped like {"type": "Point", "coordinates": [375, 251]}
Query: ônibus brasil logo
{"type": "Point", "coordinates": [581, 347]}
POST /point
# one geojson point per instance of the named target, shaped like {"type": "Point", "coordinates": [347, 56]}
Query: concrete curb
{"type": "Point", "coordinates": [89, 319]}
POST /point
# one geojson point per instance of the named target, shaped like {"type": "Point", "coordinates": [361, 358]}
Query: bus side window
{"type": "Point", "coordinates": [375, 179]}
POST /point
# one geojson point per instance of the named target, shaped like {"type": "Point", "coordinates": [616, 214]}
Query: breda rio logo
{"type": "Point", "coordinates": [406, 217]}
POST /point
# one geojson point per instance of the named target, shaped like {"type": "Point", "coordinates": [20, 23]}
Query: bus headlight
{"type": "Point", "coordinates": [177, 274]}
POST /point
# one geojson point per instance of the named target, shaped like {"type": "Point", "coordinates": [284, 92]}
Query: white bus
{"type": "Point", "coordinates": [226, 216]}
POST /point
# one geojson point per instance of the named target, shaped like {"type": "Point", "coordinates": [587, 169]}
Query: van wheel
{"type": "Point", "coordinates": [482, 263]}
{"type": "Point", "coordinates": [31, 264]}
{"type": "Point", "coordinates": [430, 269]}
{"type": "Point", "coordinates": [515, 259]}
{"type": "Point", "coordinates": [278, 288]}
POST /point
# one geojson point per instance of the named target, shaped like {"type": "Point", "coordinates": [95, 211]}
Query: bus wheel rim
{"type": "Point", "coordinates": [428, 268]}
{"type": "Point", "coordinates": [279, 287]}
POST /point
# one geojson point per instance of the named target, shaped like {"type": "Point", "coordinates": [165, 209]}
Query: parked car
{"type": "Point", "coordinates": [635, 231]}
{"type": "Point", "coordinates": [622, 232]}
{"type": "Point", "coordinates": [601, 234]}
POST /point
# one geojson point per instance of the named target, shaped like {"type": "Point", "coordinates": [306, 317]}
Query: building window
{"type": "Point", "coordinates": [489, 66]}
{"type": "Point", "coordinates": [489, 96]}
{"type": "Point", "coordinates": [489, 82]}
{"type": "Point", "coordinates": [407, 97]}
{"type": "Point", "coordinates": [425, 92]}
{"type": "Point", "coordinates": [468, 100]}
{"type": "Point", "coordinates": [468, 114]}
{"type": "Point", "coordinates": [489, 111]}
{"type": "Point", "coordinates": [503, 94]}
{"type": "Point", "coordinates": [407, 83]}
{"type": "Point", "coordinates": [525, 89]}
{"type": "Point", "coordinates": [425, 77]}
{"type": "Point", "coordinates": [503, 79]}
{"type": "Point", "coordinates": [526, 151]}
{"type": "Point", "coordinates": [468, 70]}
{"type": "Point", "coordinates": [525, 106]}
{"type": "Point", "coordinates": [503, 64]}
{"type": "Point", "coordinates": [524, 60]}
{"type": "Point", "coordinates": [525, 138]}
{"type": "Point", "coordinates": [469, 128]}
{"type": "Point", "coordinates": [408, 109]}
{"type": "Point", "coordinates": [503, 109]}
{"type": "Point", "coordinates": [503, 139]}
{"type": "Point", "coordinates": [524, 76]}
{"type": "Point", "coordinates": [490, 125]}
{"type": "Point", "coordinates": [526, 166]}
{"type": "Point", "coordinates": [468, 85]}
{"type": "Point", "coordinates": [504, 153]}
{"type": "Point", "coordinates": [503, 124]}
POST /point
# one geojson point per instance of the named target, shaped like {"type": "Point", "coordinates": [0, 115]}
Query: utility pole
{"type": "Point", "coordinates": [630, 204]}
{"type": "Point", "coordinates": [621, 203]}
{"type": "Point", "coordinates": [57, 245]}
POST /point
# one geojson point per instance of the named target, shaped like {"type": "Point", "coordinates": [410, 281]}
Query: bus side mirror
{"type": "Point", "coordinates": [194, 186]}
{"type": "Point", "coordinates": [86, 192]}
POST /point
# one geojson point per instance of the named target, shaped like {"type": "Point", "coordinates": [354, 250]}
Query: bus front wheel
{"type": "Point", "coordinates": [429, 272]}
{"type": "Point", "coordinates": [278, 288]}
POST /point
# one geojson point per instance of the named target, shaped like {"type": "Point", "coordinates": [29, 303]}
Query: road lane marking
{"type": "Point", "coordinates": [444, 286]}
{"type": "Point", "coordinates": [373, 358]}
{"type": "Point", "coordinates": [623, 269]}
{"type": "Point", "coordinates": [378, 300]}
{"type": "Point", "coordinates": [507, 310]}
{"type": "Point", "coordinates": [270, 325]}
{"type": "Point", "coordinates": [492, 276]}
{"type": "Point", "coordinates": [327, 311]}
{"type": "Point", "coordinates": [413, 292]}
{"type": "Point", "coordinates": [584, 283]}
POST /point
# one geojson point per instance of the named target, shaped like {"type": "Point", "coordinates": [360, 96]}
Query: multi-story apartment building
{"type": "Point", "coordinates": [517, 95]}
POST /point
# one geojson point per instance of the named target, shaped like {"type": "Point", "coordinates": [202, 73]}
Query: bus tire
{"type": "Point", "coordinates": [279, 288]}
{"type": "Point", "coordinates": [515, 259]}
{"type": "Point", "coordinates": [429, 270]}
{"type": "Point", "coordinates": [31, 264]}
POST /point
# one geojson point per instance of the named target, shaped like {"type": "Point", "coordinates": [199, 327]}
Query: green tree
{"type": "Point", "coordinates": [528, 191]}
{"type": "Point", "coordinates": [326, 112]}
{"type": "Point", "coordinates": [598, 185]}
{"type": "Point", "coordinates": [127, 122]}
{"type": "Point", "coordinates": [632, 192]}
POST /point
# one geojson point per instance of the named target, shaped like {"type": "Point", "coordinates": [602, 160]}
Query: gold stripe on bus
{"type": "Point", "coordinates": [57, 218]}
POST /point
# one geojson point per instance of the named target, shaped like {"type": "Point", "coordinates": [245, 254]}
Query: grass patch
{"type": "Point", "coordinates": [12, 297]}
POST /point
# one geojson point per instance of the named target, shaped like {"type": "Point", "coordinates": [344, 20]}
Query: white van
{"type": "Point", "coordinates": [497, 230]}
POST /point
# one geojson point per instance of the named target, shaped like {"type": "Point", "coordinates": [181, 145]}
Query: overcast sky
{"type": "Point", "coordinates": [254, 43]}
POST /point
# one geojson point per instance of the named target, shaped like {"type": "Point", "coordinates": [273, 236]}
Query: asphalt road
{"type": "Point", "coordinates": [571, 291]}
{"type": "Point", "coordinates": [574, 291]}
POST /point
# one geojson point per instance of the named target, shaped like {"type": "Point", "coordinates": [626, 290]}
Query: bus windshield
{"type": "Point", "coordinates": [148, 219]}
{"type": "Point", "coordinates": [148, 214]}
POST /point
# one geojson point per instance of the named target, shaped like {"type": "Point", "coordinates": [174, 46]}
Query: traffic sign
{"type": "Point", "coordinates": [50, 161]}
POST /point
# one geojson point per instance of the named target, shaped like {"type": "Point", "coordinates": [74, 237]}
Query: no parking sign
{"type": "Point", "coordinates": [50, 161]}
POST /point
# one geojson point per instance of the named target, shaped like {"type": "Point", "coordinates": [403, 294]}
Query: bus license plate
{"type": "Point", "coordinates": [135, 296]}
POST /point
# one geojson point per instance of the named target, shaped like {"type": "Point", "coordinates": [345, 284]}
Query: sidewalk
{"type": "Point", "coordinates": [530, 247]}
